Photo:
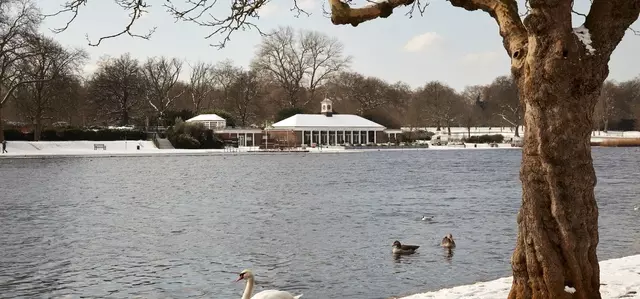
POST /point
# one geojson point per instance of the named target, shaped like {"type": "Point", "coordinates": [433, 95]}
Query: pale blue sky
{"type": "Point", "coordinates": [448, 44]}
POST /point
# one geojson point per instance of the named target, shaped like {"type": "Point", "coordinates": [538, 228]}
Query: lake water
{"type": "Point", "coordinates": [318, 224]}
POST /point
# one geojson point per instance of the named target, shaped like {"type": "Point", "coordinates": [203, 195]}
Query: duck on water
{"type": "Point", "coordinates": [447, 242]}
{"type": "Point", "coordinates": [403, 249]}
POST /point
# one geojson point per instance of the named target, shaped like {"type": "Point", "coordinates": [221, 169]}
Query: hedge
{"type": "Point", "coordinates": [497, 138]}
{"type": "Point", "coordinates": [74, 134]}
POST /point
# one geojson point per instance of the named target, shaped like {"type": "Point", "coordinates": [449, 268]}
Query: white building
{"type": "Point", "coordinates": [330, 129]}
{"type": "Point", "coordinates": [210, 121]}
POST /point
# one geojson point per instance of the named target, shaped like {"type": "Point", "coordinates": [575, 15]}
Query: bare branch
{"type": "Point", "coordinates": [342, 13]}
{"type": "Point", "coordinates": [607, 22]}
{"type": "Point", "coordinates": [136, 7]}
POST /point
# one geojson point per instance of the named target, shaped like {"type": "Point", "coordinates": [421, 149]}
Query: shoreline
{"type": "Point", "coordinates": [131, 148]}
{"type": "Point", "coordinates": [619, 278]}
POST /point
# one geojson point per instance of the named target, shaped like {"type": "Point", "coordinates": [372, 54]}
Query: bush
{"type": "Point", "coordinates": [75, 134]}
{"type": "Point", "coordinates": [186, 141]}
{"type": "Point", "coordinates": [192, 136]}
{"type": "Point", "coordinates": [415, 135]}
{"type": "Point", "coordinates": [497, 138]}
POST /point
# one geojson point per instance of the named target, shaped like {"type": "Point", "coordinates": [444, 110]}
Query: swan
{"type": "Point", "coordinates": [266, 294]}
{"type": "Point", "coordinates": [403, 249]}
{"type": "Point", "coordinates": [448, 242]}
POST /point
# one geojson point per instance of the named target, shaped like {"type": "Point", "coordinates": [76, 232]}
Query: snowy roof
{"type": "Point", "coordinates": [321, 121]}
{"type": "Point", "coordinates": [206, 117]}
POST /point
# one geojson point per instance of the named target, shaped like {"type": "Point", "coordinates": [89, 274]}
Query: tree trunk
{"type": "Point", "coordinates": [558, 220]}
{"type": "Point", "coordinates": [125, 117]}
{"type": "Point", "coordinates": [38, 127]}
{"type": "Point", "coordinates": [517, 134]}
{"type": "Point", "coordinates": [606, 125]}
{"type": "Point", "coordinates": [1, 123]}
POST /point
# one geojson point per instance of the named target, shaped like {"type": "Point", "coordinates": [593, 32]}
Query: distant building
{"type": "Point", "coordinates": [328, 128]}
{"type": "Point", "coordinates": [210, 121]}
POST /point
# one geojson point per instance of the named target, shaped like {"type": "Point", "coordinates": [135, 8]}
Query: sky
{"type": "Point", "coordinates": [446, 43]}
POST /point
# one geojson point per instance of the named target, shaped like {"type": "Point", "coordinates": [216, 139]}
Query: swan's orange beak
{"type": "Point", "coordinates": [240, 277]}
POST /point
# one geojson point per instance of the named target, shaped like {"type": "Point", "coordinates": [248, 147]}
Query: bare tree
{"type": "Point", "coordinates": [503, 94]}
{"type": "Point", "coordinates": [49, 70]}
{"type": "Point", "coordinates": [245, 92]}
{"type": "Point", "coordinates": [473, 107]}
{"type": "Point", "coordinates": [439, 103]}
{"type": "Point", "coordinates": [224, 73]}
{"type": "Point", "coordinates": [117, 88]}
{"type": "Point", "coordinates": [300, 62]}
{"type": "Point", "coordinates": [605, 109]}
{"type": "Point", "coordinates": [161, 75]}
{"type": "Point", "coordinates": [200, 84]}
{"type": "Point", "coordinates": [365, 93]}
{"type": "Point", "coordinates": [19, 20]}
{"type": "Point", "coordinates": [559, 72]}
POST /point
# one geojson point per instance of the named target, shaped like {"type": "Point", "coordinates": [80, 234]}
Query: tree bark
{"type": "Point", "coordinates": [558, 220]}
{"type": "Point", "coordinates": [559, 80]}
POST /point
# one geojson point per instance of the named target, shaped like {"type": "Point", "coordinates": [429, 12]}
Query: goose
{"type": "Point", "coordinates": [448, 242]}
{"type": "Point", "coordinates": [266, 294]}
{"type": "Point", "coordinates": [403, 249]}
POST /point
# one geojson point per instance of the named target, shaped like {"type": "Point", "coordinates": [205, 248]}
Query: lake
{"type": "Point", "coordinates": [318, 224]}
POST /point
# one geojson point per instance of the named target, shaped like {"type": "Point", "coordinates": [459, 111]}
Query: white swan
{"type": "Point", "coordinates": [267, 294]}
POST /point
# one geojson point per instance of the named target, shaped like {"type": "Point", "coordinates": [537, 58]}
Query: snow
{"type": "Point", "coordinates": [334, 122]}
{"type": "Point", "coordinates": [585, 37]}
{"type": "Point", "coordinates": [620, 278]}
{"type": "Point", "coordinates": [206, 117]}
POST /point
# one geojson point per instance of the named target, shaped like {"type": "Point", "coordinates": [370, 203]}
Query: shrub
{"type": "Point", "coordinates": [497, 138]}
{"type": "Point", "coordinates": [186, 141]}
{"type": "Point", "coordinates": [192, 136]}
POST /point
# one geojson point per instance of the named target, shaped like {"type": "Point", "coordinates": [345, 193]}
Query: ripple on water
{"type": "Point", "coordinates": [321, 225]}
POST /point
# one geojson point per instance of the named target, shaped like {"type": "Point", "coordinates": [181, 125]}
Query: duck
{"type": "Point", "coordinates": [403, 249]}
{"type": "Point", "coordinates": [266, 294]}
{"type": "Point", "coordinates": [448, 242]}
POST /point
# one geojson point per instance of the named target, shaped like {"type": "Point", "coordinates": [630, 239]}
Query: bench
{"type": "Point", "coordinates": [99, 145]}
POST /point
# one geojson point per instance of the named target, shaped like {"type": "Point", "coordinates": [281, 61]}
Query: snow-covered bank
{"type": "Point", "coordinates": [620, 278]}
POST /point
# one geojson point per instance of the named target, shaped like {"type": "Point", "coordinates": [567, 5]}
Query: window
{"type": "Point", "coordinates": [324, 107]}
{"type": "Point", "coordinates": [328, 107]}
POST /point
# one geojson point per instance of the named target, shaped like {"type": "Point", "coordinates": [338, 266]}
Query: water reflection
{"type": "Point", "coordinates": [448, 254]}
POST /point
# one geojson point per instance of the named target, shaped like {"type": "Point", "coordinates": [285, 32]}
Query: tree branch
{"type": "Point", "coordinates": [512, 30]}
{"type": "Point", "coordinates": [342, 13]}
{"type": "Point", "coordinates": [607, 22]}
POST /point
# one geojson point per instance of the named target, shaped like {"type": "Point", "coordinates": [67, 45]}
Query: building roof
{"type": "Point", "coordinates": [206, 117]}
{"type": "Point", "coordinates": [321, 121]}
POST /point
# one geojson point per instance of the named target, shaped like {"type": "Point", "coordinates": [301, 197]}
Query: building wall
{"type": "Point", "coordinates": [285, 138]}
{"type": "Point", "coordinates": [231, 136]}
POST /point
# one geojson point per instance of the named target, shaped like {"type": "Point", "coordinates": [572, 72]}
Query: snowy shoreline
{"type": "Point", "coordinates": [86, 149]}
{"type": "Point", "coordinates": [619, 278]}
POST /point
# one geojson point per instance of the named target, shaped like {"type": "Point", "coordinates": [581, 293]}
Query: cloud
{"type": "Point", "coordinates": [422, 42]}
{"type": "Point", "coordinates": [488, 57]}
{"type": "Point", "coordinates": [268, 9]}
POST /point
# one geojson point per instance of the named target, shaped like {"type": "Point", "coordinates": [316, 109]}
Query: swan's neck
{"type": "Point", "coordinates": [248, 289]}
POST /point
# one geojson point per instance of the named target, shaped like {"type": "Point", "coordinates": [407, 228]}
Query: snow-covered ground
{"type": "Point", "coordinates": [508, 133]}
{"type": "Point", "coordinates": [620, 278]}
